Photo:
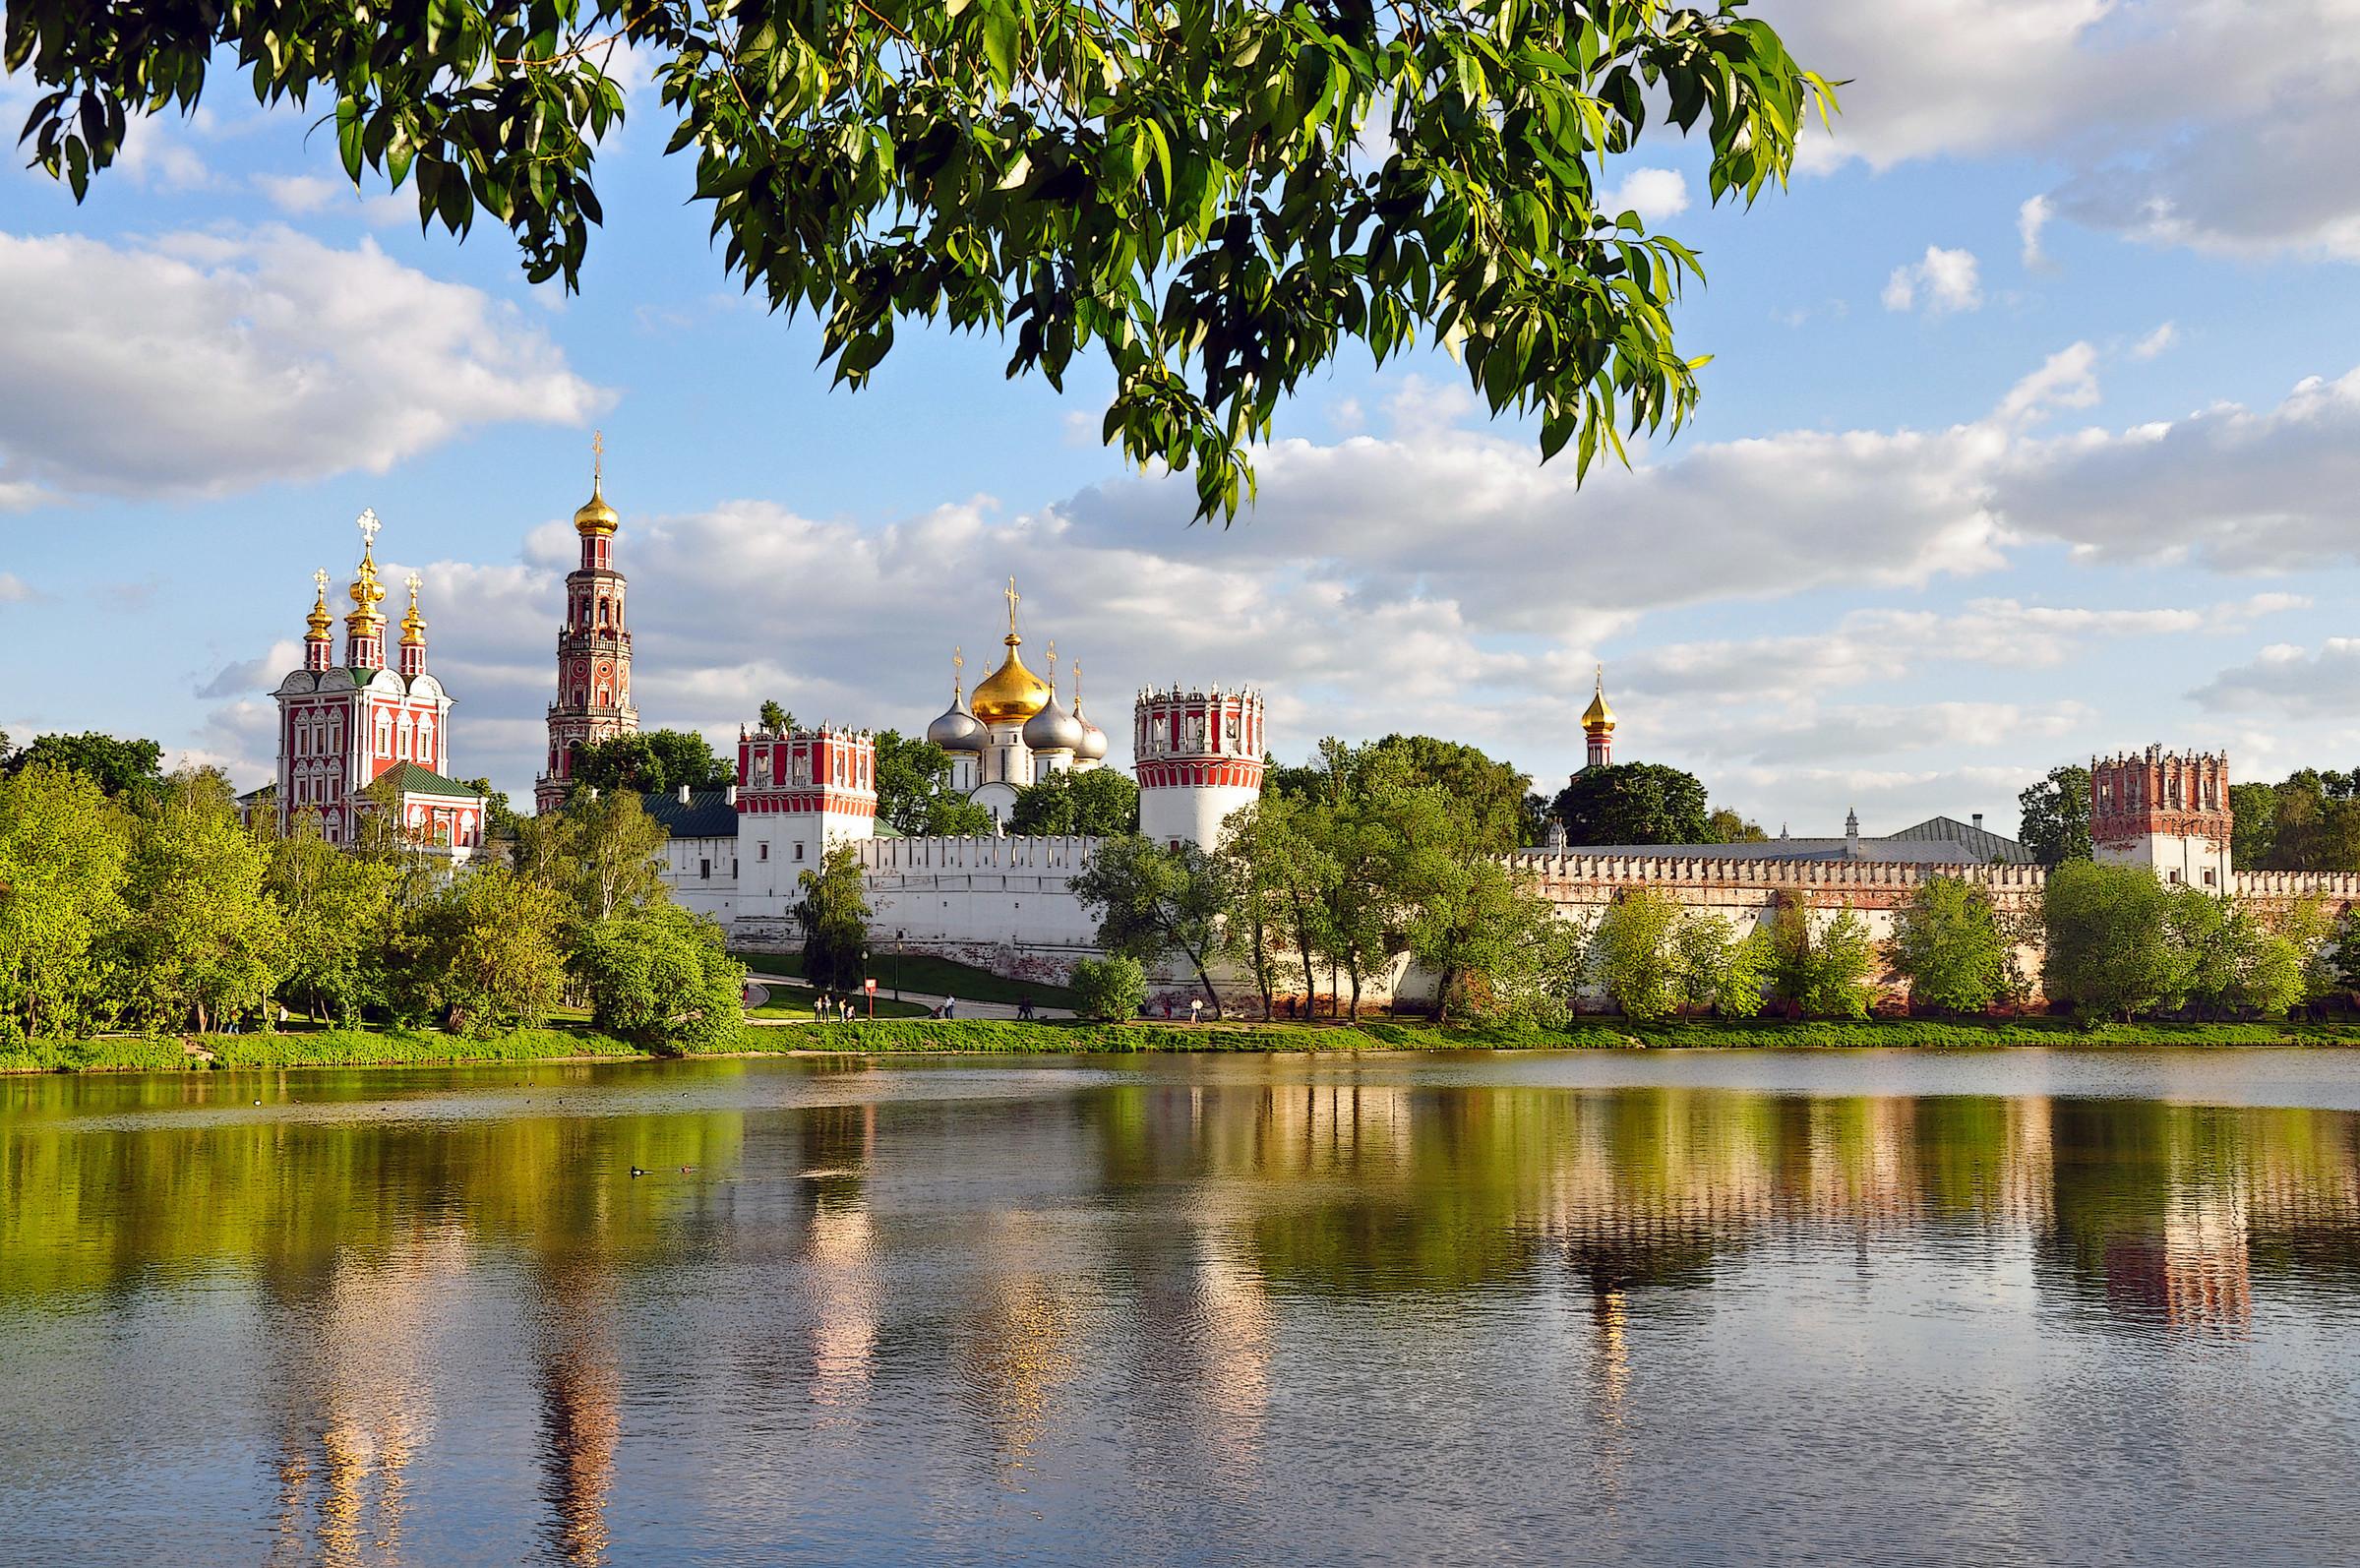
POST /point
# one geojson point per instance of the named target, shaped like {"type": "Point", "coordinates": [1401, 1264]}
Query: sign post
{"type": "Point", "coordinates": [869, 985]}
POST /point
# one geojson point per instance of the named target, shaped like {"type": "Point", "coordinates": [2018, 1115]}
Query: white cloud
{"type": "Point", "coordinates": [1947, 277]}
{"type": "Point", "coordinates": [2156, 342]}
{"type": "Point", "coordinates": [1653, 194]}
{"type": "Point", "coordinates": [207, 364]}
{"type": "Point", "coordinates": [2030, 219]}
{"type": "Point", "coordinates": [302, 193]}
{"type": "Point", "coordinates": [13, 589]}
{"type": "Point", "coordinates": [256, 675]}
{"type": "Point", "coordinates": [2187, 122]}
{"type": "Point", "coordinates": [2283, 678]}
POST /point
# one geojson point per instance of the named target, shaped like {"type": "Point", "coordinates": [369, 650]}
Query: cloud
{"type": "Point", "coordinates": [2179, 122]}
{"type": "Point", "coordinates": [2156, 342]}
{"type": "Point", "coordinates": [13, 589]}
{"type": "Point", "coordinates": [1948, 278]}
{"type": "Point", "coordinates": [2030, 219]}
{"type": "Point", "coordinates": [302, 193]}
{"type": "Point", "coordinates": [256, 675]}
{"type": "Point", "coordinates": [202, 365]}
{"type": "Point", "coordinates": [2283, 678]}
{"type": "Point", "coordinates": [1653, 194]}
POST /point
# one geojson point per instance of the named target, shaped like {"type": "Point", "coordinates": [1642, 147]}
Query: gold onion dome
{"type": "Point", "coordinates": [1011, 693]}
{"type": "Point", "coordinates": [320, 621]}
{"type": "Point", "coordinates": [366, 592]}
{"type": "Point", "coordinates": [594, 516]}
{"type": "Point", "coordinates": [413, 624]}
{"type": "Point", "coordinates": [1598, 716]}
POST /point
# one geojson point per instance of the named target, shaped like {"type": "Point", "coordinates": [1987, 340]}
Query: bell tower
{"type": "Point", "coordinates": [593, 647]}
{"type": "Point", "coordinates": [2165, 810]}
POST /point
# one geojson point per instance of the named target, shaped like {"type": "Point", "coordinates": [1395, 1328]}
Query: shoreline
{"type": "Point", "coordinates": [395, 1049]}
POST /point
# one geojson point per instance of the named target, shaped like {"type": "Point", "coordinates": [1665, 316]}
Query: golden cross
{"type": "Point", "coordinates": [321, 577]}
{"type": "Point", "coordinates": [369, 527]}
{"type": "Point", "coordinates": [414, 582]}
{"type": "Point", "coordinates": [1053, 668]}
{"type": "Point", "coordinates": [1013, 597]}
{"type": "Point", "coordinates": [597, 457]}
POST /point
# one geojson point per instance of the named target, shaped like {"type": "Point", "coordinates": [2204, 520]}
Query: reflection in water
{"type": "Point", "coordinates": [1352, 1310]}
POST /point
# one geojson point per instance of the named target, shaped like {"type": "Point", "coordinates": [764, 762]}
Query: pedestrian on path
{"type": "Point", "coordinates": [950, 1007]}
{"type": "Point", "coordinates": [819, 1008]}
{"type": "Point", "coordinates": [1024, 1007]}
{"type": "Point", "coordinates": [1196, 1009]}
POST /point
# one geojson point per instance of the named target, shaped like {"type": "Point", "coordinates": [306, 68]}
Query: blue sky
{"type": "Point", "coordinates": [1977, 487]}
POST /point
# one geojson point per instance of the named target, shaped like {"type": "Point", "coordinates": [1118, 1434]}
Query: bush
{"type": "Point", "coordinates": [1108, 990]}
{"type": "Point", "coordinates": [659, 978]}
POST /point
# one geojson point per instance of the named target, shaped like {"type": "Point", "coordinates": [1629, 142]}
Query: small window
{"type": "Point", "coordinates": [799, 852]}
{"type": "Point", "coordinates": [733, 871]}
{"type": "Point", "coordinates": [766, 852]}
{"type": "Point", "coordinates": [2207, 878]}
{"type": "Point", "coordinates": [704, 871]}
{"type": "Point", "coordinates": [2175, 876]}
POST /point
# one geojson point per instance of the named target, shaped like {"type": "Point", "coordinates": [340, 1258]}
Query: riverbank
{"type": "Point", "coordinates": [364, 1048]}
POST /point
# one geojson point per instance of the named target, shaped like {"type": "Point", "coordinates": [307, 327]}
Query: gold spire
{"type": "Point", "coordinates": [595, 516]}
{"type": "Point", "coordinates": [1011, 693]}
{"type": "Point", "coordinates": [958, 675]}
{"type": "Point", "coordinates": [366, 590]}
{"type": "Point", "coordinates": [320, 621]}
{"type": "Point", "coordinates": [1600, 716]}
{"type": "Point", "coordinates": [1077, 689]}
{"type": "Point", "coordinates": [413, 624]}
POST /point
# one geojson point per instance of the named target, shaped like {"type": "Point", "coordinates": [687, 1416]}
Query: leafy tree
{"type": "Point", "coordinates": [2056, 817]}
{"type": "Point", "coordinates": [1101, 802]}
{"type": "Point", "coordinates": [2110, 949]}
{"type": "Point", "coordinates": [1633, 803]}
{"type": "Point", "coordinates": [201, 938]}
{"type": "Point", "coordinates": [1108, 990]}
{"type": "Point", "coordinates": [914, 793]}
{"type": "Point", "coordinates": [63, 849]}
{"type": "Point", "coordinates": [1713, 966]}
{"type": "Point", "coordinates": [1492, 797]}
{"type": "Point", "coordinates": [131, 768]}
{"type": "Point", "coordinates": [607, 851]}
{"type": "Point", "coordinates": [660, 979]}
{"type": "Point", "coordinates": [338, 909]}
{"type": "Point", "coordinates": [1496, 947]}
{"type": "Point", "coordinates": [2254, 808]}
{"type": "Point", "coordinates": [1727, 827]}
{"type": "Point", "coordinates": [1949, 946]}
{"type": "Point", "coordinates": [1218, 194]}
{"type": "Point", "coordinates": [1283, 877]}
{"type": "Point", "coordinates": [2316, 823]}
{"type": "Point", "coordinates": [835, 916]}
{"type": "Point", "coordinates": [777, 720]}
{"type": "Point", "coordinates": [1631, 952]}
{"type": "Point", "coordinates": [495, 951]}
{"type": "Point", "coordinates": [1826, 970]}
{"type": "Point", "coordinates": [499, 819]}
{"type": "Point", "coordinates": [1154, 901]}
{"type": "Point", "coordinates": [652, 764]}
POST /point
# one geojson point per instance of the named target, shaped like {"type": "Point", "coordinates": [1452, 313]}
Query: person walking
{"type": "Point", "coordinates": [819, 1008]}
{"type": "Point", "coordinates": [950, 1007]}
{"type": "Point", "coordinates": [1196, 1009]}
{"type": "Point", "coordinates": [1024, 1007]}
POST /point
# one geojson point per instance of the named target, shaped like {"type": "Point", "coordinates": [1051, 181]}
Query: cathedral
{"type": "Point", "coordinates": [346, 726]}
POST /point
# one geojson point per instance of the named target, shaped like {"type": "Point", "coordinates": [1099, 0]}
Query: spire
{"type": "Point", "coordinates": [1597, 723]}
{"type": "Point", "coordinates": [413, 624]}
{"type": "Point", "coordinates": [319, 636]}
{"type": "Point", "coordinates": [595, 519]}
{"type": "Point", "coordinates": [364, 628]}
{"type": "Point", "coordinates": [1013, 597]}
{"type": "Point", "coordinates": [1077, 689]}
{"type": "Point", "coordinates": [959, 676]}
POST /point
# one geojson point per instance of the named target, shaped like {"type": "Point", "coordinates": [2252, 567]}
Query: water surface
{"type": "Point", "coordinates": [1661, 1308]}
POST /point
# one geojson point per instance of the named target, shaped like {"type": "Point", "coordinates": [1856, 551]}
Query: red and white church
{"type": "Point", "coordinates": [346, 726]}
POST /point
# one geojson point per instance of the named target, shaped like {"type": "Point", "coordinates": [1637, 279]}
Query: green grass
{"type": "Point", "coordinates": [927, 975]}
{"type": "Point", "coordinates": [323, 1047]}
{"type": "Point", "coordinates": [794, 1001]}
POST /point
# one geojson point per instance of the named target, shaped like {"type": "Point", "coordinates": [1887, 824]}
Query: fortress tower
{"type": "Point", "coordinates": [2165, 810]}
{"type": "Point", "coordinates": [593, 648]}
{"type": "Point", "coordinates": [800, 794]}
{"type": "Point", "coordinates": [1198, 758]}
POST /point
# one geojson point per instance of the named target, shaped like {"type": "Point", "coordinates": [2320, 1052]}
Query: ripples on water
{"type": "Point", "coordinates": [1682, 1307]}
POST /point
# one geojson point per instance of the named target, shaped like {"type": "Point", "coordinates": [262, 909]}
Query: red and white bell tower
{"type": "Point", "coordinates": [2164, 810]}
{"type": "Point", "coordinates": [593, 648]}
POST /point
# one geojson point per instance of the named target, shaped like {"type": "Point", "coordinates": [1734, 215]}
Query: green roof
{"type": "Point", "coordinates": [409, 776]}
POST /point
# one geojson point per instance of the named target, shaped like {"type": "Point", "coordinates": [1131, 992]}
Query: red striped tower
{"type": "Point", "coordinates": [800, 794]}
{"type": "Point", "coordinates": [1198, 755]}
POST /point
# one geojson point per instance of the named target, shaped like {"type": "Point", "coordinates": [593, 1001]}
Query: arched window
{"type": "Point", "coordinates": [602, 620]}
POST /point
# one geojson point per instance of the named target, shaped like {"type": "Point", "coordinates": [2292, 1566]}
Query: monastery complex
{"type": "Point", "coordinates": [1005, 903]}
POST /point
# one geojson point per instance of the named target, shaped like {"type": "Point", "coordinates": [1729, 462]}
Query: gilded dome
{"type": "Point", "coordinates": [595, 516]}
{"type": "Point", "coordinates": [1598, 716]}
{"type": "Point", "coordinates": [1011, 693]}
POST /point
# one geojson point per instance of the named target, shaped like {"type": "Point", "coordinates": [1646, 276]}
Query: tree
{"type": "Point", "coordinates": [1100, 802]}
{"type": "Point", "coordinates": [835, 916]}
{"type": "Point", "coordinates": [1154, 901]}
{"type": "Point", "coordinates": [338, 909]}
{"type": "Point", "coordinates": [2055, 824]}
{"type": "Point", "coordinates": [1496, 947]}
{"type": "Point", "coordinates": [1108, 990]}
{"type": "Point", "coordinates": [495, 951]}
{"type": "Point", "coordinates": [777, 720]}
{"type": "Point", "coordinates": [1217, 195]}
{"type": "Point", "coordinates": [1713, 966]}
{"type": "Point", "coordinates": [1948, 946]}
{"type": "Point", "coordinates": [1492, 797]}
{"type": "Point", "coordinates": [63, 848]}
{"type": "Point", "coordinates": [202, 939]}
{"type": "Point", "coordinates": [1633, 803]}
{"type": "Point", "coordinates": [607, 851]}
{"type": "Point", "coordinates": [661, 979]}
{"type": "Point", "coordinates": [652, 764]}
{"type": "Point", "coordinates": [2109, 946]}
{"type": "Point", "coordinates": [914, 793]}
{"type": "Point", "coordinates": [1631, 954]}
{"type": "Point", "coordinates": [2254, 808]}
{"type": "Point", "coordinates": [1282, 875]}
{"type": "Point", "coordinates": [119, 768]}
{"type": "Point", "coordinates": [1824, 971]}
{"type": "Point", "coordinates": [499, 820]}
{"type": "Point", "coordinates": [1727, 827]}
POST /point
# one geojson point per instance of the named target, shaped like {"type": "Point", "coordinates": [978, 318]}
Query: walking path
{"type": "Point", "coordinates": [968, 1008]}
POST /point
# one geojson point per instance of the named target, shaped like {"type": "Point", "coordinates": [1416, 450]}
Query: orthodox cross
{"type": "Point", "coordinates": [413, 582]}
{"type": "Point", "coordinates": [958, 668]}
{"type": "Point", "coordinates": [1013, 597]}
{"type": "Point", "coordinates": [597, 457]}
{"type": "Point", "coordinates": [321, 577]}
{"type": "Point", "coordinates": [369, 527]}
{"type": "Point", "coordinates": [1052, 669]}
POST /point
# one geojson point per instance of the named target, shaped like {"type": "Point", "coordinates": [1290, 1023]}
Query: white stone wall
{"type": "Point", "coordinates": [1191, 814]}
{"type": "Point", "coordinates": [699, 875]}
{"type": "Point", "coordinates": [2199, 862]}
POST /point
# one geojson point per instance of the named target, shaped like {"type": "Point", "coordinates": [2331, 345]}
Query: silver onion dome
{"type": "Point", "coordinates": [958, 730]}
{"type": "Point", "coordinates": [1052, 728]}
{"type": "Point", "coordinates": [1093, 746]}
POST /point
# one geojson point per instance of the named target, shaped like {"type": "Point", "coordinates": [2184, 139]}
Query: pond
{"type": "Point", "coordinates": [1653, 1307]}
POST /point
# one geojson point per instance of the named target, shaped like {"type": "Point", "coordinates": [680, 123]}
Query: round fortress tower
{"type": "Point", "coordinates": [1199, 758]}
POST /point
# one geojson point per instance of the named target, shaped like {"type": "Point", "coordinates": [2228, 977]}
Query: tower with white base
{"type": "Point", "coordinates": [800, 794]}
{"type": "Point", "coordinates": [2164, 810]}
{"type": "Point", "coordinates": [1198, 755]}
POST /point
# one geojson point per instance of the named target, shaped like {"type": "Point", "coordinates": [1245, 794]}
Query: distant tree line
{"type": "Point", "coordinates": [130, 899]}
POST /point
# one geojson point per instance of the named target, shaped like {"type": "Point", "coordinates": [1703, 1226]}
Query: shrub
{"type": "Point", "coordinates": [1108, 990]}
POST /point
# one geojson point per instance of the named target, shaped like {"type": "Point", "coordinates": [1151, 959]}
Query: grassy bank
{"type": "Point", "coordinates": [323, 1048]}
{"type": "Point", "coordinates": [928, 976]}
